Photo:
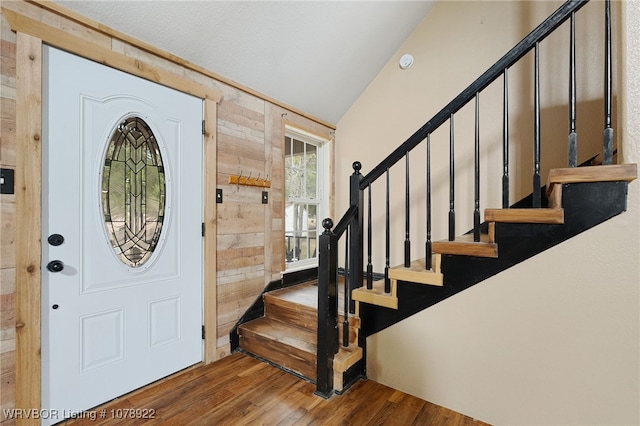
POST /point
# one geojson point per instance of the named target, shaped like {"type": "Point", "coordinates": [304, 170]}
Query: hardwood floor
{"type": "Point", "coordinates": [240, 390]}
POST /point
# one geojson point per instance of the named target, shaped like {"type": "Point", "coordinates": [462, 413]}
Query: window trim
{"type": "Point", "coordinates": [323, 170]}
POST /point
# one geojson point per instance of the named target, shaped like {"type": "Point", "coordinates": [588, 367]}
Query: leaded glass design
{"type": "Point", "coordinates": [133, 191]}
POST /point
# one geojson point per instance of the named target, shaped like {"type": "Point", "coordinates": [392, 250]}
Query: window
{"type": "Point", "coordinates": [133, 191]}
{"type": "Point", "coordinates": [305, 205]}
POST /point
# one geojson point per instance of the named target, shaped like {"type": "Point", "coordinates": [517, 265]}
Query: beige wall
{"type": "Point", "coordinates": [453, 45]}
{"type": "Point", "coordinates": [553, 340]}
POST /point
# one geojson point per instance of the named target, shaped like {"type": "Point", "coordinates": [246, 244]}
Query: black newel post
{"type": "Point", "coordinates": [356, 233]}
{"type": "Point", "coordinates": [327, 309]}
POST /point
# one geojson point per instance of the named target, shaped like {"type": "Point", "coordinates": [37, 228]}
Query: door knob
{"type": "Point", "coordinates": [55, 266]}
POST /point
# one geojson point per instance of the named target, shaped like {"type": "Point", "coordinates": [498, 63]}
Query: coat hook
{"type": "Point", "coordinates": [251, 181]}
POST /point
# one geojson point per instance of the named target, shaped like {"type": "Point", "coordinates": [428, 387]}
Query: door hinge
{"type": "Point", "coordinates": [203, 229]}
{"type": "Point", "coordinates": [204, 132]}
{"type": "Point", "coordinates": [203, 332]}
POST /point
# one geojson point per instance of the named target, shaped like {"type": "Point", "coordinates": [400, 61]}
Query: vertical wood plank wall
{"type": "Point", "coordinates": [7, 218]}
{"type": "Point", "coordinates": [249, 139]}
{"type": "Point", "coordinates": [28, 189]}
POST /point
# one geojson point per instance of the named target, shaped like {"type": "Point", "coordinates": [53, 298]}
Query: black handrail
{"type": "Point", "coordinates": [495, 71]}
{"type": "Point", "coordinates": [343, 225]}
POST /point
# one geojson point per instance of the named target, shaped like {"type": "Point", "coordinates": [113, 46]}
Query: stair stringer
{"type": "Point", "coordinates": [586, 205]}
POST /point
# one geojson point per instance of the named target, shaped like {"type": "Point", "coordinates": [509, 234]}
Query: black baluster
{"type": "Point", "coordinates": [345, 322]}
{"type": "Point", "coordinates": [407, 241]}
{"type": "Point", "coordinates": [476, 180]}
{"type": "Point", "coordinates": [505, 141]}
{"type": "Point", "coordinates": [452, 210]}
{"type": "Point", "coordinates": [428, 251]}
{"type": "Point", "coordinates": [387, 243]}
{"type": "Point", "coordinates": [537, 202]}
{"type": "Point", "coordinates": [573, 137]}
{"type": "Point", "coordinates": [369, 245]}
{"type": "Point", "coordinates": [608, 131]}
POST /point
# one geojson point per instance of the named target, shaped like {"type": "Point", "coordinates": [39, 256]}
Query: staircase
{"type": "Point", "coordinates": [286, 335]}
{"type": "Point", "coordinates": [303, 330]}
{"type": "Point", "coordinates": [576, 199]}
{"type": "Point", "coordinates": [597, 193]}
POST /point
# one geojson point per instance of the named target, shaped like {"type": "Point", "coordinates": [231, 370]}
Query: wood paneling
{"type": "Point", "coordinates": [7, 219]}
{"type": "Point", "coordinates": [7, 280]}
{"type": "Point", "coordinates": [7, 231]}
{"type": "Point", "coordinates": [7, 321]}
{"type": "Point", "coordinates": [8, 143]}
{"type": "Point", "coordinates": [8, 91]}
{"type": "Point", "coordinates": [7, 379]}
{"type": "Point", "coordinates": [241, 217]}
{"type": "Point", "coordinates": [28, 225]}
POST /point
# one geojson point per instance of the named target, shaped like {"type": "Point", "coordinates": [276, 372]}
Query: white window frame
{"type": "Point", "coordinates": [322, 171]}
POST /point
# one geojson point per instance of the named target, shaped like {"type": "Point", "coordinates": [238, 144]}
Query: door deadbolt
{"type": "Point", "coordinates": [55, 266]}
{"type": "Point", "coordinates": [55, 239]}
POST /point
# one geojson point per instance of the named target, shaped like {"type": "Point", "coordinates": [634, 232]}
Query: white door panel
{"type": "Point", "coordinates": [109, 327]}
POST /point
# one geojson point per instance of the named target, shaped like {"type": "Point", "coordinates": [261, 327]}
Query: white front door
{"type": "Point", "coordinates": [122, 214]}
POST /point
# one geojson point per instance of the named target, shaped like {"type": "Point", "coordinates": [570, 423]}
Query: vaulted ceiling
{"type": "Point", "coordinates": [316, 56]}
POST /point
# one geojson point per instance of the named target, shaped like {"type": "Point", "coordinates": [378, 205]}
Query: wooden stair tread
{"type": "Point", "coordinates": [302, 294]}
{"type": "Point", "coordinates": [608, 173]}
{"type": "Point", "coordinates": [464, 245]}
{"type": "Point", "coordinates": [376, 296]}
{"type": "Point", "coordinates": [299, 305]}
{"type": "Point", "coordinates": [292, 348]}
{"type": "Point", "coordinates": [292, 306]}
{"type": "Point", "coordinates": [417, 272]}
{"type": "Point", "coordinates": [526, 215]}
{"type": "Point", "coordinates": [281, 332]}
{"type": "Point", "coordinates": [305, 294]}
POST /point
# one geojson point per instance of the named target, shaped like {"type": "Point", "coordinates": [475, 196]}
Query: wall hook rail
{"type": "Point", "coordinates": [249, 181]}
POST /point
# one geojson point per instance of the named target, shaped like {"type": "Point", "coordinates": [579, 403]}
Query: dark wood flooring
{"type": "Point", "coordinates": [241, 390]}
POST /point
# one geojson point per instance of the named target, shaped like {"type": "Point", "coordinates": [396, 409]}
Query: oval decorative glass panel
{"type": "Point", "coordinates": [133, 191]}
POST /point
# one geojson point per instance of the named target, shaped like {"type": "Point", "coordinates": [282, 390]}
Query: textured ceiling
{"type": "Point", "coordinates": [316, 56]}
